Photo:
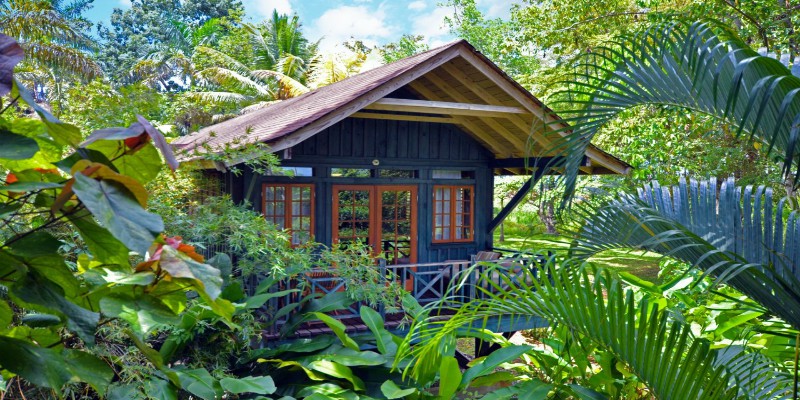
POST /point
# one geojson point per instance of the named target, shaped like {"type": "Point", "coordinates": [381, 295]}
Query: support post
{"type": "Point", "coordinates": [518, 197]}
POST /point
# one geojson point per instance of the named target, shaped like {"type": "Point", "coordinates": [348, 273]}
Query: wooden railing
{"type": "Point", "coordinates": [427, 283]}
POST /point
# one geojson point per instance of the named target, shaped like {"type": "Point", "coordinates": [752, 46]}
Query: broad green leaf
{"type": "Point", "coordinates": [294, 365]}
{"type": "Point", "coordinates": [326, 391]}
{"type": "Point", "coordinates": [43, 337]}
{"type": "Point", "coordinates": [337, 370]}
{"type": "Point", "coordinates": [392, 391]}
{"type": "Point", "coordinates": [41, 294]}
{"type": "Point", "coordinates": [383, 339]}
{"type": "Point", "coordinates": [6, 315]}
{"type": "Point", "coordinates": [63, 134]}
{"type": "Point", "coordinates": [40, 366]}
{"type": "Point", "coordinates": [449, 377]}
{"type": "Point", "coordinates": [29, 186]}
{"type": "Point", "coordinates": [249, 384]}
{"type": "Point", "coordinates": [338, 329]}
{"type": "Point", "coordinates": [732, 321]}
{"type": "Point", "coordinates": [8, 209]}
{"type": "Point", "coordinates": [258, 300]}
{"type": "Point", "coordinates": [34, 129]}
{"type": "Point", "coordinates": [223, 263]}
{"type": "Point", "coordinates": [533, 389]}
{"type": "Point", "coordinates": [492, 361]}
{"type": "Point", "coordinates": [584, 393]}
{"type": "Point", "coordinates": [153, 356]}
{"type": "Point", "coordinates": [199, 383]}
{"type": "Point", "coordinates": [117, 210]}
{"type": "Point", "coordinates": [16, 147]}
{"type": "Point", "coordinates": [143, 312]}
{"type": "Point", "coordinates": [128, 391]}
{"type": "Point", "coordinates": [40, 320]}
{"type": "Point", "coordinates": [296, 346]}
{"type": "Point", "coordinates": [144, 165]}
{"type": "Point", "coordinates": [493, 379]}
{"type": "Point", "coordinates": [178, 265]}
{"type": "Point", "coordinates": [103, 246]}
{"type": "Point", "coordinates": [53, 368]}
{"type": "Point", "coordinates": [348, 357]}
{"type": "Point", "coordinates": [160, 389]}
{"type": "Point", "coordinates": [89, 369]}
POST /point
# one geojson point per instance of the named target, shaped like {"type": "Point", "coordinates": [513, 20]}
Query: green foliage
{"type": "Point", "coordinates": [98, 104]}
{"type": "Point", "coordinates": [407, 46]}
{"type": "Point", "coordinates": [691, 68]}
{"type": "Point", "coordinates": [729, 235]}
{"type": "Point", "coordinates": [630, 336]}
{"type": "Point", "coordinates": [52, 307]}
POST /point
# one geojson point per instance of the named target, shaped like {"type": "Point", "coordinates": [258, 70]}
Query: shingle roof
{"type": "Point", "coordinates": [285, 117]}
{"type": "Point", "coordinates": [291, 121]}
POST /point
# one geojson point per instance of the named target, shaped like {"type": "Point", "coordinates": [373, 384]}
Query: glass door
{"type": "Point", "coordinates": [383, 217]}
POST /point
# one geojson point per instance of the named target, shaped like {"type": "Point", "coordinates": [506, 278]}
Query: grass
{"type": "Point", "coordinates": [640, 263]}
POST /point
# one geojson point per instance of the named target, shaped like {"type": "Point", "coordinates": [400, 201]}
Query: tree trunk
{"type": "Point", "coordinates": [547, 214]}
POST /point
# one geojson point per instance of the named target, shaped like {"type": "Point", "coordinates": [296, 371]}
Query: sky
{"type": "Point", "coordinates": [373, 21]}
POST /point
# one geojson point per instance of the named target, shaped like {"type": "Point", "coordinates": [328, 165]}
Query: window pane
{"type": "Point", "coordinates": [397, 173]}
{"type": "Point", "coordinates": [351, 173]}
{"type": "Point", "coordinates": [446, 174]}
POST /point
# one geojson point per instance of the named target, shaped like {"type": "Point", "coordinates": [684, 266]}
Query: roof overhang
{"type": "Point", "coordinates": [453, 84]}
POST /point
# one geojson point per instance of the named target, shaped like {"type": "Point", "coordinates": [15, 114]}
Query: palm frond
{"type": "Point", "coordinates": [221, 59]}
{"type": "Point", "coordinates": [738, 236]}
{"type": "Point", "coordinates": [287, 86]}
{"type": "Point", "coordinates": [228, 98]}
{"type": "Point", "coordinates": [36, 21]}
{"type": "Point", "coordinates": [661, 351]}
{"type": "Point", "coordinates": [228, 78]}
{"type": "Point", "coordinates": [63, 58]}
{"type": "Point", "coordinates": [688, 67]}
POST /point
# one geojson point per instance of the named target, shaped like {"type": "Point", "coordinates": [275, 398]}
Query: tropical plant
{"type": "Point", "coordinates": [55, 45]}
{"type": "Point", "coordinates": [56, 294]}
{"type": "Point", "coordinates": [688, 67]}
{"type": "Point", "coordinates": [648, 339]}
{"type": "Point", "coordinates": [733, 234]}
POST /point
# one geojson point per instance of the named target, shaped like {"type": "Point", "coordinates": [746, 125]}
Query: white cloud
{"type": "Point", "coordinates": [125, 3]}
{"type": "Point", "coordinates": [496, 8]}
{"type": "Point", "coordinates": [417, 5]}
{"type": "Point", "coordinates": [432, 26]}
{"type": "Point", "coordinates": [339, 24]}
{"type": "Point", "coordinates": [260, 9]}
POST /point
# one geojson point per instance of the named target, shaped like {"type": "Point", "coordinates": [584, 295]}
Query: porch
{"type": "Point", "coordinates": [428, 283]}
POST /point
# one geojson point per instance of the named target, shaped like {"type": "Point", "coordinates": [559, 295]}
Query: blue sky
{"type": "Point", "coordinates": [376, 22]}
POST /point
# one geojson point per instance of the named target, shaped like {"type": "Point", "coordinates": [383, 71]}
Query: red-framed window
{"type": "Point", "coordinates": [290, 207]}
{"type": "Point", "coordinates": [453, 213]}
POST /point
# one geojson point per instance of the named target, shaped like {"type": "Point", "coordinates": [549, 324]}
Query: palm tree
{"type": "Point", "coordinates": [53, 45]}
{"type": "Point", "coordinates": [686, 67]}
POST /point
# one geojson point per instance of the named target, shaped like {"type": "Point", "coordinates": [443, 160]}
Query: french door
{"type": "Point", "coordinates": [383, 217]}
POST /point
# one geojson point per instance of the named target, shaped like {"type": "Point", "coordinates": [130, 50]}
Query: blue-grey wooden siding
{"type": "Point", "coordinates": [421, 146]}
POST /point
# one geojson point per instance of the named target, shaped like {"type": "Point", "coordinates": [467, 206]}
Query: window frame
{"type": "Point", "coordinates": [452, 213]}
{"type": "Point", "coordinates": [287, 207]}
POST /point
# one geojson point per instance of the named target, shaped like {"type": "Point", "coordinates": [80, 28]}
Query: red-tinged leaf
{"type": "Point", "coordinates": [63, 197]}
{"type": "Point", "coordinates": [160, 142]}
{"type": "Point", "coordinates": [136, 141]}
{"type": "Point", "coordinates": [116, 133]}
{"type": "Point", "coordinates": [10, 55]}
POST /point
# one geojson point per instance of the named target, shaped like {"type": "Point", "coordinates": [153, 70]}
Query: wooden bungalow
{"type": "Point", "coordinates": [401, 157]}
